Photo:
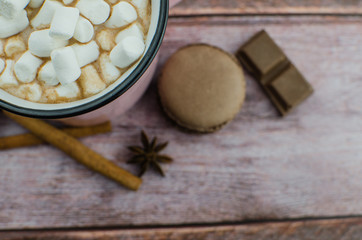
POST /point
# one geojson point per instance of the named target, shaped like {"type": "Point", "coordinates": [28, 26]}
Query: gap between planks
{"type": "Point", "coordinates": [331, 229]}
{"type": "Point", "coordinates": [181, 226]}
{"type": "Point", "coordinates": [260, 7]}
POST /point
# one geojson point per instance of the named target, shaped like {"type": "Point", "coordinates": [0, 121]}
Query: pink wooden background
{"type": "Point", "coordinates": [299, 177]}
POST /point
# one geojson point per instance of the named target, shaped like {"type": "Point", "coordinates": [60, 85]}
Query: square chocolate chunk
{"type": "Point", "coordinates": [262, 56]}
{"type": "Point", "coordinates": [290, 88]}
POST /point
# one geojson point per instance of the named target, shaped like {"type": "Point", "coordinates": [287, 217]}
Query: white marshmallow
{"type": "Point", "coordinates": [68, 91]}
{"type": "Point", "coordinates": [45, 14]}
{"type": "Point", "coordinates": [36, 3]}
{"type": "Point", "coordinates": [7, 78]}
{"type": "Point", "coordinates": [123, 14]}
{"type": "Point", "coordinates": [127, 52]}
{"type": "Point", "coordinates": [67, 2]}
{"type": "Point", "coordinates": [105, 39]}
{"type": "Point", "coordinates": [64, 22]}
{"type": "Point", "coordinates": [86, 53]}
{"type": "Point", "coordinates": [84, 30]}
{"type": "Point", "coordinates": [133, 30]}
{"type": "Point", "coordinates": [10, 27]}
{"type": "Point", "coordinates": [14, 45]}
{"type": "Point", "coordinates": [31, 92]}
{"type": "Point", "coordinates": [11, 8]}
{"type": "Point", "coordinates": [48, 75]}
{"type": "Point", "coordinates": [26, 67]}
{"type": "Point", "coordinates": [109, 72]}
{"type": "Point", "coordinates": [90, 81]}
{"type": "Point", "coordinates": [65, 65]}
{"type": "Point", "coordinates": [41, 44]}
{"type": "Point", "coordinates": [97, 11]}
{"type": "Point", "coordinates": [2, 65]}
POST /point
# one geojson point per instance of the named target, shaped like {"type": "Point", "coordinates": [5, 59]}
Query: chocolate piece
{"type": "Point", "coordinates": [281, 80]}
{"type": "Point", "coordinates": [262, 57]}
{"type": "Point", "coordinates": [290, 88]}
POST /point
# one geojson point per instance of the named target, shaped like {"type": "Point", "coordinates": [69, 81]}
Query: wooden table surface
{"type": "Point", "coordinates": [261, 177]}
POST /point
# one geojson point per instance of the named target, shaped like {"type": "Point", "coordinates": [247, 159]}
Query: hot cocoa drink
{"type": "Point", "coordinates": [57, 51]}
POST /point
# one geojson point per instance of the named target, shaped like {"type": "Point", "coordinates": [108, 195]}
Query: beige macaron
{"type": "Point", "coordinates": [202, 87]}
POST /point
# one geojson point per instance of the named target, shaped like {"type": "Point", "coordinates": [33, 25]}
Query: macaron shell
{"type": "Point", "coordinates": [202, 87]}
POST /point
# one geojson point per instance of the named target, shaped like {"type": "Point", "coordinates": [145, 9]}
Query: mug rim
{"type": "Point", "coordinates": [114, 93]}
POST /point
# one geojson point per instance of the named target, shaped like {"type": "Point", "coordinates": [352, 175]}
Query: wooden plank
{"type": "Point", "coordinates": [260, 166]}
{"type": "Point", "coordinates": [350, 229]}
{"type": "Point", "coordinates": [232, 7]}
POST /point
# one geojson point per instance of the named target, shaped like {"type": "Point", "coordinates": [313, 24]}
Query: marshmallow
{"type": "Point", "coordinates": [2, 65]}
{"type": "Point", "coordinates": [105, 39]}
{"type": "Point", "coordinates": [127, 52]}
{"type": "Point", "coordinates": [64, 22]}
{"type": "Point", "coordinates": [65, 65]}
{"type": "Point", "coordinates": [84, 30]}
{"type": "Point", "coordinates": [67, 2]}
{"type": "Point", "coordinates": [7, 78]}
{"type": "Point", "coordinates": [123, 14]}
{"type": "Point", "coordinates": [47, 75]}
{"type": "Point", "coordinates": [68, 91]}
{"type": "Point", "coordinates": [10, 27]}
{"type": "Point", "coordinates": [86, 53]}
{"type": "Point", "coordinates": [31, 92]}
{"type": "Point", "coordinates": [14, 45]}
{"type": "Point", "coordinates": [97, 11]}
{"type": "Point", "coordinates": [90, 81]}
{"type": "Point", "coordinates": [109, 72]}
{"type": "Point", "coordinates": [133, 30]}
{"type": "Point", "coordinates": [41, 44]}
{"type": "Point", "coordinates": [45, 14]}
{"type": "Point", "coordinates": [26, 67]}
{"type": "Point", "coordinates": [36, 3]}
{"type": "Point", "coordinates": [11, 8]}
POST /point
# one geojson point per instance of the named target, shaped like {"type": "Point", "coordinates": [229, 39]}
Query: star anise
{"type": "Point", "coordinates": [148, 155]}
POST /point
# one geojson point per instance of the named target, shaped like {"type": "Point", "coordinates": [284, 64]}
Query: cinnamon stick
{"type": "Point", "coordinates": [78, 151]}
{"type": "Point", "coordinates": [29, 139]}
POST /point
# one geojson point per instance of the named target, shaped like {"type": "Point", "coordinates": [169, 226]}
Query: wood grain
{"type": "Point", "coordinates": [260, 166]}
{"type": "Point", "coordinates": [350, 229]}
{"type": "Point", "coordinates": [233, 7]}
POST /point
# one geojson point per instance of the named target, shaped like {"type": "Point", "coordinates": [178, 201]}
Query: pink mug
{"type": "Point", "coordinates": [117, 98]}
